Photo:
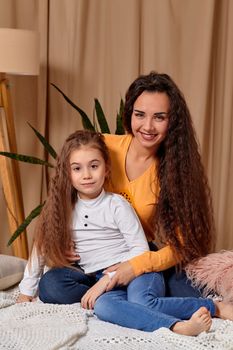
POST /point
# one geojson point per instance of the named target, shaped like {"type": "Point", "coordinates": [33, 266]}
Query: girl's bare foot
{"type": "Point", "coordinates": [199, 322]}
{"type": "Point", "coordinates": [224, 310]}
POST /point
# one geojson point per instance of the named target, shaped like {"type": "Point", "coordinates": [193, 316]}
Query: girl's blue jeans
{"type": "Point", "coordinates": [141, 305]}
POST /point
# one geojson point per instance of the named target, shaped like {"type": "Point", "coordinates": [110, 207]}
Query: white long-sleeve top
{"type": "Point", "coordinates": [106, 230]}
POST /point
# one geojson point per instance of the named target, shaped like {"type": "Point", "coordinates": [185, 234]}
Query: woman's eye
{"type": "Point", "coordinates": [159, 117]}
{"type": "Point", "coordinates": [94, 166]}
{"type": "Point", "coordinates": [76, 168]}
{"type": "Point", "coordinates": [139, 115]}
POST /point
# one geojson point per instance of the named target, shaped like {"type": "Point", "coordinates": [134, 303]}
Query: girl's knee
{"type": "Point", "coordinates": [50, 286]}
{"type": "Point", "coordinates": [101, 307]}
{"type": "Point", "coordinates": [146, 288]}
{"type": "Point", "coordinates": [107, 305]}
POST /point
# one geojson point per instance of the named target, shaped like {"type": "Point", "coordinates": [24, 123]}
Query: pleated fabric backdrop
{"type": "Point", "coordinates": [95, 48]}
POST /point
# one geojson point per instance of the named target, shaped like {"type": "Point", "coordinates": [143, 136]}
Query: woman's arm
{"type": "Point", "coordinates": [150, 261]}
{"type": "Point", "coordinates": [138, 263]}
{"type": "Point", "coordinates": [147, 262]}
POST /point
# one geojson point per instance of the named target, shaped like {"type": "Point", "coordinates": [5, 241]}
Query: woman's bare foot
{"type": "Point", "coordinates": [199, 322]}
{"type": "Point", "coordinates": [224, 310]}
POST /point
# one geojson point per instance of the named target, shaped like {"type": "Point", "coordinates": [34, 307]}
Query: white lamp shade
{"type": "Point", "coordinates": [19, 51]}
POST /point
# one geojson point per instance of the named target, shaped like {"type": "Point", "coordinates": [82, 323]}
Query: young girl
{"type": "Point", "coordinates": [104, 230]}
{"type": "Point", "coordinates": [102, 227]}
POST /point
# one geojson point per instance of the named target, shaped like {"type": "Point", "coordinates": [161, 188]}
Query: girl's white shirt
{"type": "Point", "coordinates": [106, 231]}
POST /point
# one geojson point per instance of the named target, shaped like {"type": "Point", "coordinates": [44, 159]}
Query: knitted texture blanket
{"type": "Point", "coordinates": [32, 326]}
{"type": "Point", "coordinates": [106, 336]}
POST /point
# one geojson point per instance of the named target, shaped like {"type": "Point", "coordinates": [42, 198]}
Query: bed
{"type": "Point", "coordinates": [45, 326]}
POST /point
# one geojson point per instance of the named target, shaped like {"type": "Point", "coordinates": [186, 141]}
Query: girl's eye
{"type": "Point", "coordinates": [94, 166]}
{"type": "Point", "coordinates": [77, 168]}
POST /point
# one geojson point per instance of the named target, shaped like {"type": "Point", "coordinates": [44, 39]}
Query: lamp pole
{"type": "Point", "coordinates": [20, 56]}
{"type": "Point", "coordinates": [9, 170]}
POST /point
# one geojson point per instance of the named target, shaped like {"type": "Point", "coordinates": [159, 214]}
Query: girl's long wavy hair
{"type": "Point", "coordinates": [183, 216]}
{"type": "Point", "coordinates": [53, 234]}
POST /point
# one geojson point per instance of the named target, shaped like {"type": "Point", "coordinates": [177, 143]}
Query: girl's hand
{"type": "Point", "coordinates": [88, 300]}
{"type": "Point", "coordinates": [22, 298]}
{"type": "Point", "coordinates": [71, 254]}
{"type": "Point", "coordinates": [123, 276]}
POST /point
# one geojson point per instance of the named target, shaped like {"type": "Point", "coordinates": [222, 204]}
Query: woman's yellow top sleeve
{"type": "Point", "coordinates": [150, 261]}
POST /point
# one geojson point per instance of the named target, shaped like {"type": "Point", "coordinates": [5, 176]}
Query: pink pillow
{"type": "Point", "coordinates": [213, 274]}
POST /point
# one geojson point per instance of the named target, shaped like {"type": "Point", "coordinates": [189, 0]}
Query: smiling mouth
{"type": "Point", "coordinates": [88, 184]}
{"type": "Point", "coordinates": [148, 137]}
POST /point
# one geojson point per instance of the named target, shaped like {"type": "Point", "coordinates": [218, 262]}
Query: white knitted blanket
{"type": "Point", "coordinates": [32, 326]}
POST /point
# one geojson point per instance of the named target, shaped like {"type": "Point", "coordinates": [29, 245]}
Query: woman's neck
{"type": "Point", "coordinates": [140, 153]}
{"type": "Point", "coordinates": [138, 160]}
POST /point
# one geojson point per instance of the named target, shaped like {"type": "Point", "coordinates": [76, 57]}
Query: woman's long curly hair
{"type": "Point", "coordinates": [183, 216]}
{"type": "Point", "coordinates": [53, 234]}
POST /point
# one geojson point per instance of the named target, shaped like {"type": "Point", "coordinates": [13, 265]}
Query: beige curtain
{"type": "Point", "coordinates": [29, 98]}
{"type": "Point", "coordinates": [95, 48]}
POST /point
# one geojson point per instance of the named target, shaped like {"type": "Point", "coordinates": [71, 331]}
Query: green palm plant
{"type": "Point", "coordinates": [101, 125]}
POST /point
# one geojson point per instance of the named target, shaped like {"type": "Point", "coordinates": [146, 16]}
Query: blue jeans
{"type": "Point", "coordinates": [67, 285]}
{"type": "Point", "coordinates": [177, 284]}
{"type": "Point", "coordinates": [143, 305]}
{"type": "Point", "coordinates": [64, 285]}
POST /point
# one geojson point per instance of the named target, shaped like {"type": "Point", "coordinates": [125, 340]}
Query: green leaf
{"type": "Point", "coordinates": [34, 213]}
{"type": "Point", "coordinates": [119, 120]}
{"type": "Point", "coordinates": [85, 120]}
{"type": "Point", "coordinates": [26, 159]}
{"type": "Point", "coordinates": [44, 142]}
{"type": "Point", "coordinates": [101, 118]}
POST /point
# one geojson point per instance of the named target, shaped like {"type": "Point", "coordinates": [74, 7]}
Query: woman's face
{"type": "Point", "coordinates": [150, 119]}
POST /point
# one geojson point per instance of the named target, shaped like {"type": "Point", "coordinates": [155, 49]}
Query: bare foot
{"type": "Point", "coordinates": [199, 322]}
{"type": "Point", "coordinates": [224, 310]}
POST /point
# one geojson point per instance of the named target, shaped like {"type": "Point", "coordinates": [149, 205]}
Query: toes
{"type": "Point", "coordinates": [203, 310]}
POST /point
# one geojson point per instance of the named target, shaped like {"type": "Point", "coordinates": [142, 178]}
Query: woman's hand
{"type": "Point", "coordinates": [89, 298]}
{"type": "Point", "coordinates": [123, 276]}
{"type": "Point", "coordinates": [22, 298]}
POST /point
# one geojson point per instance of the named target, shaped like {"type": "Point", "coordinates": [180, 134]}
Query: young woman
{"type": "Point", "coordinates": [105, 230]}
{"type": "Point", "coordinates": [157, 167]}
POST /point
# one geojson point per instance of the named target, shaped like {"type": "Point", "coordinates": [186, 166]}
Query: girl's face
{"type": "Point", "coordinates": [88, 171]}
{"type": "Point", "coordinates": [150, 119]}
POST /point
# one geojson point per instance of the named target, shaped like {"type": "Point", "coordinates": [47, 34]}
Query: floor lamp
{"type": "Point", "coordinates": [19, 55]}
